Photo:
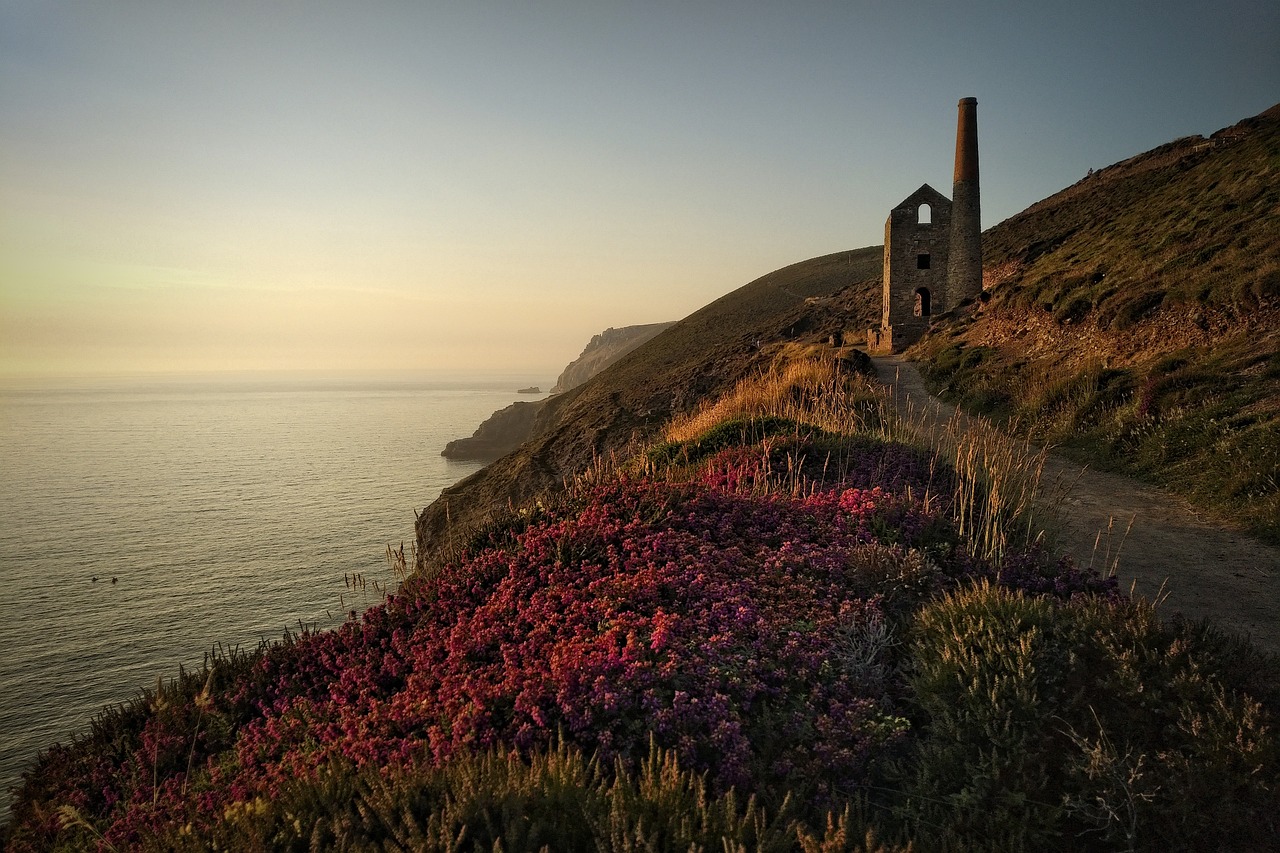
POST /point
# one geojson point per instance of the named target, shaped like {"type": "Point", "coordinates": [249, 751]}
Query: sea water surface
{"type": "Point", "coordinates": [214, 510]}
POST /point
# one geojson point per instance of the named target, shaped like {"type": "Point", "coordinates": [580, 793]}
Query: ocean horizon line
{"type": "Point", "coordinates": [277, 379]}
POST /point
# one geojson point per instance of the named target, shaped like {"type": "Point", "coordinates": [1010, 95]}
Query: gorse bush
{"type": "Point", "coordinates": [771, 635]}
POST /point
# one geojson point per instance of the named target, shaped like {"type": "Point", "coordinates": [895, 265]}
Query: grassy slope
{"type": "Point", "coordinates": [774, 605]}
{"type": "Point", "coordinates": [1134, 320]}
{"type": "Point", "coordinates": [702, 355]}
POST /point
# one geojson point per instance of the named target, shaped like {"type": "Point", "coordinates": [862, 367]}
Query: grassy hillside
{"type": "Point", "coordinates": [702, 355]}
{"type": "Point", "coordinates": [1133, 319]}
{"type": "Point", "coordinates": [791, 622]}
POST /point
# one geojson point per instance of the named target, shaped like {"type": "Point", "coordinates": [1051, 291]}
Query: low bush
{"type": "Point", "coordinates": [1084, 723]}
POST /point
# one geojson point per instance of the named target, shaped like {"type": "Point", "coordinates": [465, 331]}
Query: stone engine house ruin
{"type": "Point", "coordinates": [932, 248]}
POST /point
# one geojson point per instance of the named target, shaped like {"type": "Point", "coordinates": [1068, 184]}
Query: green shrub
{"type": "Point", "coordinates": [980, 668]}
{"type": "Point", "coordinates": [1057, 726]}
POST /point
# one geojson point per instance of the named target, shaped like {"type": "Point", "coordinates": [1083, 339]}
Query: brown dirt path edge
{"type": "Point", "coordinates": [1170, 554]}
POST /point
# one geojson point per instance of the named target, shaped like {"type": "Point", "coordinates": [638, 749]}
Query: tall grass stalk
{"type": "Point", "coordinates": [998, 503]}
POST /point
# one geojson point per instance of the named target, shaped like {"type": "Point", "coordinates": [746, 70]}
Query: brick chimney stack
{"type": "Point", "coordinates": [964, 265]}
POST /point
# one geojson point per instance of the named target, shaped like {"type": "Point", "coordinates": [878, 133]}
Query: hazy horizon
{"type": "Point", "coordinates": [439, 187]}
{"type": "Point", "coordinates": [273, 377]}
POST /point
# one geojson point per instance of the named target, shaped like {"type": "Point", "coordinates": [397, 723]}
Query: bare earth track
{"type": "Point", "coordinates": [1169, 553]}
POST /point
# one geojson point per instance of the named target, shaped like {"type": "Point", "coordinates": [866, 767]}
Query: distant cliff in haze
{"type": "Point", "coordinates": [603, 350]}
{"type": "Point", "coordinates": [505, 429]}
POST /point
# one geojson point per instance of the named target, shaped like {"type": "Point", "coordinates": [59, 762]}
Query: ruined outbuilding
{"type": "Point", "coordinates": [932, 249]}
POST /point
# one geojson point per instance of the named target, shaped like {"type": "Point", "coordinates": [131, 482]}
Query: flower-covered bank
{"type": "Point", "coordinates": [781, 642]}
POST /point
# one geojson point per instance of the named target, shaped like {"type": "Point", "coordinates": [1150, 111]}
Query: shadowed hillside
{"type": "Point", "coordinates": [1133, 319]}
{"type": "Point", "coordinates": [702, 355]}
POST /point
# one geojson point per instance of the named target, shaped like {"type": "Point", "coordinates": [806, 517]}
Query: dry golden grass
{"type": "Point", "coordinates": [804, 384]}
{"type": "Point", "coordinates": [998, 503]}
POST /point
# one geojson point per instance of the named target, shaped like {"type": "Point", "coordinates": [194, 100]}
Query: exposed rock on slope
{"type": "Point", "coordinates": [500, 433]}
{"type": "Point", "coordinates": [702, 355]}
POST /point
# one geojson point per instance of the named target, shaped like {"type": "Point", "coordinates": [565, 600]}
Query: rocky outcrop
{"type": "Point", "coordinates": [506, 429]}
{"type": "Point", "coordinates": [603, 350]}
{"type": "Point", "coordinates": [501, 433]}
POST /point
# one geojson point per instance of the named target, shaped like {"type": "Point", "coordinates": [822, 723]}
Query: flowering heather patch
{"type": "Point", "coordinates": [812, 461]}
{"type": "Point", "coordinates": [697, 614]}
{"type": "Point", "coordinates": [741, 627]}
{"type": "Point", "coordinates": [690, 613]}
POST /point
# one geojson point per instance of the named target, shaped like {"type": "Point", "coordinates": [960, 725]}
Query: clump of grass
{"type": "Point", "coordinates": [817, 391]}
{"type": "Point", "coordinates": [556, 799]}
{"type": "Point", "coordinates": [1052, 724]}
{"type": "Point", "coordinates": [997, 501]}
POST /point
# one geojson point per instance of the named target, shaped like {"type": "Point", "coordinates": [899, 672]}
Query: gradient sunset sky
{"type": "Point", "coordinates": [192, 186]}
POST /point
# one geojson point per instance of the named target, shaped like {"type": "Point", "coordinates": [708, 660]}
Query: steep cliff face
{"type": "Point", "coordinates": [700, 356]}
{"type": "Point", "coordinates": [504, 430]}
{"type": "Point", "coordinates": [603, 350]}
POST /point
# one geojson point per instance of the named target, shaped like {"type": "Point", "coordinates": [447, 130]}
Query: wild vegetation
{"type": "Point", "coordinates": [1133, 320]}
{"type": "Point", "coordinates": [792, 623]}
{"type": "Point", "coordinates": [702, 356]}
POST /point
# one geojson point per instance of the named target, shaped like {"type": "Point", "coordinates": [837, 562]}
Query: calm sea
{"type": "Point", "coordinates": [217, 510]}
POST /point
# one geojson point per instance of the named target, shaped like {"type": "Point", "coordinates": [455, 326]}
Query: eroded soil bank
{"type": "Point", "coordinates": [1169, 553]}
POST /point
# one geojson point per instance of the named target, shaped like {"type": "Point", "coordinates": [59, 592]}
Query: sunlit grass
{"type": "Point", "coordinates": [997, 501]}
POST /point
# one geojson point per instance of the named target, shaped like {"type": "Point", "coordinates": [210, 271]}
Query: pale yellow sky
{"type": "Point", "coordinates": [441, 187]}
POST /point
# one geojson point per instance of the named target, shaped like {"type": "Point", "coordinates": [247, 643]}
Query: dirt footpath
{"type": "Point", "coordinates": [1169, 554]}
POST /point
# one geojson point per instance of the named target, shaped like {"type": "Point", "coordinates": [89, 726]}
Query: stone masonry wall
{"type": "Point", "coordinates": [915, 264]}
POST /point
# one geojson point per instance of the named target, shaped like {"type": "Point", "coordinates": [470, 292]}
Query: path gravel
{"type": "Point", "coordinates": [1169, 554]}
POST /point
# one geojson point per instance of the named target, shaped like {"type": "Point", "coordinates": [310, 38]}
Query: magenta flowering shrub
{"type": "Point", "coordinates": [698, 616]}
{"type": "Point", "coordinates": [690, 614]}
{"type": "Point", "coordinates": [819, 459]}
{"type": "Point", "coordinates": [724, 619]}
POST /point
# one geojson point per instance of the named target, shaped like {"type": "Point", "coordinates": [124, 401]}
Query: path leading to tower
{"type": "Point", "coordinates": [1169, 553]}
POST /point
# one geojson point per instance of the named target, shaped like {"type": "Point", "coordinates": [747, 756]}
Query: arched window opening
{"type": "Point", "coordinates": [922, 261]}
{"type": "Point", "coordinates": [922, 302]}
{"type": "Point", "coordinates": [924, 215]}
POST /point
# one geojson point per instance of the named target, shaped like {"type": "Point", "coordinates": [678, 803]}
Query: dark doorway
{"type": "Point", "coordinates": [923, 309]}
